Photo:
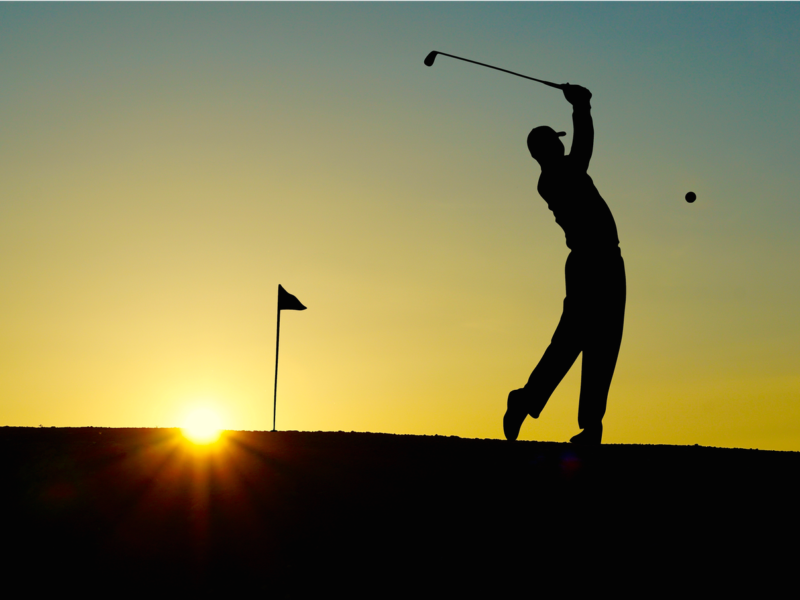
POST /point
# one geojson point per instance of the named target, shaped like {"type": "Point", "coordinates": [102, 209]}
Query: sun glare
{"type": "Point", "coordinates": [202, 426]}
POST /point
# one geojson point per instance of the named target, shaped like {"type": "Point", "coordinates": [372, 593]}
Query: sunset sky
{"type": "Point", "coordinates": [163, 167]}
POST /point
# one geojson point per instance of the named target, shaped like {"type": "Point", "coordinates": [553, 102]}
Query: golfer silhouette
{"type": "Point", "coordinates": [594, 307]}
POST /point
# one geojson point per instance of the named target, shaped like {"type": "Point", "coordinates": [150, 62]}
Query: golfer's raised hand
{"type": "Point", "coordinates": [577, 95]}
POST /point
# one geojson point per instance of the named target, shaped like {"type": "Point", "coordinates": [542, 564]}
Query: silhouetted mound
{"type": "Point", "coordinates": [293, 514]}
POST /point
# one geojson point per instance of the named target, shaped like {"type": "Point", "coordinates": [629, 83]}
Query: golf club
{"type": "Point", "coordinates": [432, 56]}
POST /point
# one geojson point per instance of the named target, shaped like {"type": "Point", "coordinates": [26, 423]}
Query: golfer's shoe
{"type": "Point", "coordinates": [590, 436]}
{"type": "Point", "coordinates": [516, 411]}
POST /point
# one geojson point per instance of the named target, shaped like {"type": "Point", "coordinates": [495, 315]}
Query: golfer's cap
{"type": "Point", "coordinates": [544, 132]}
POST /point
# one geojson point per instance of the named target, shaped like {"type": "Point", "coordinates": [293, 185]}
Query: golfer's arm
{"type": "Point", "coordinates": [583, 135]}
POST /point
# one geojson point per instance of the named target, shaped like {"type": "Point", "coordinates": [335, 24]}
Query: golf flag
{"type": "Point", "coordinates": [288, 302]}
{"type": "Point", "coordinates": [285, 302]}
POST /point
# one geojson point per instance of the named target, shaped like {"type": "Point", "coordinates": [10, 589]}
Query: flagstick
{"type": "Point", "coordinates": [277, 345]}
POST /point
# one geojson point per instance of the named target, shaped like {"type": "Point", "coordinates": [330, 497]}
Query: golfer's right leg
{"type": "Point", "coordinates": [557, 360]}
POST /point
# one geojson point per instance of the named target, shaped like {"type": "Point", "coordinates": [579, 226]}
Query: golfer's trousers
{"type": "Point", "coordinates": [594, 313]}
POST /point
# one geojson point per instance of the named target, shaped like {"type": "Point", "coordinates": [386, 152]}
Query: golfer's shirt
{"type": "Point", "coordinates": [578, 207]}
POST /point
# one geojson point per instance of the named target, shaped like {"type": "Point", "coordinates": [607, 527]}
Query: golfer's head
{"type": "Point", "coordinates": [544, 143]}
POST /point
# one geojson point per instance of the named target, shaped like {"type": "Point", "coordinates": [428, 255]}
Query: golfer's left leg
{"type": "Point", "coordinates": [605, 320]}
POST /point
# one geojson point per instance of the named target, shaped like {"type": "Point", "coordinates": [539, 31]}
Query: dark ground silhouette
{"type": "Point", "coordinates": [294, 514]}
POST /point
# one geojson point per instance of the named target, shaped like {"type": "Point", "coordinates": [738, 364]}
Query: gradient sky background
{"type": "Point", "coordinates": [164, 167]}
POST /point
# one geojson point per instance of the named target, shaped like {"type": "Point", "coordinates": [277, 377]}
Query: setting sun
{"type": "Point", "coordinates": [202, 426]}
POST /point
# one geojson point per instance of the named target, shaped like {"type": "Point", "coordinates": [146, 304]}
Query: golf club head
{"type": "Point", "coordinates": [430, 58]}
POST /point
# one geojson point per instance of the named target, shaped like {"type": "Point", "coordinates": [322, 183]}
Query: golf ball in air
{"type": "Point", "coordinates": [691, 197]}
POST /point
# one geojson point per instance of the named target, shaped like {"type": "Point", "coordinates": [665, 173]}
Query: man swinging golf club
{"type": "Point", "coordinates": [594, 307]}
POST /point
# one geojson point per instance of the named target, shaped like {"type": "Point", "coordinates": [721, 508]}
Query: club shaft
{"type": "Point", "coordinates": [555, 85]}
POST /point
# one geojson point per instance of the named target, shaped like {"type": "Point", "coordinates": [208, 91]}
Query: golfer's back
{"type": "Point", "coordinates": [578, 207]}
